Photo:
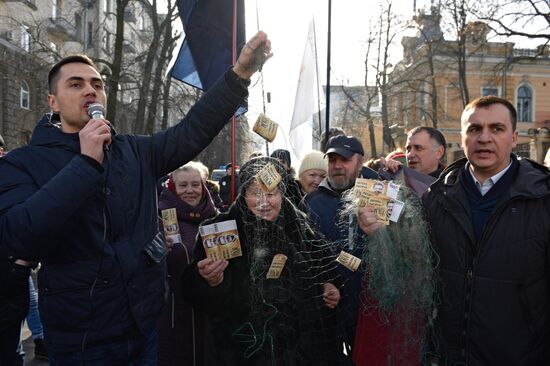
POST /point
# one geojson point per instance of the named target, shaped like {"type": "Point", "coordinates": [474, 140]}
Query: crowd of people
{"type": "Point", "coordinates": [270, 267]}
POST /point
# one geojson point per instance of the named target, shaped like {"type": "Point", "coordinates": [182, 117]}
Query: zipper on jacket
{"type": "Point", "coordinates": [489, 226]}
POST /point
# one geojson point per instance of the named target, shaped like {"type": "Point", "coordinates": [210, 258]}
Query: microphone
{"type": "Point", "coordinates": [96, 111]}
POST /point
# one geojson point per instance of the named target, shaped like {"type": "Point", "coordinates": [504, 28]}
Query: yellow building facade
{"type": "Point", "coordinates": [425, 87]}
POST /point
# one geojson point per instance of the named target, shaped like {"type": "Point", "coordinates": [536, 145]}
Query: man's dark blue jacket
{"type": "Point", "coordinates": [95, 227]}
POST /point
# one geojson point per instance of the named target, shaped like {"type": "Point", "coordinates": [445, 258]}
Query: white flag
{"type": "Point", "coordinates": [306, 101]}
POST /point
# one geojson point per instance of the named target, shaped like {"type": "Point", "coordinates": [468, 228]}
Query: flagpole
{"type": "Point", "coordinates": [327, 116]}
{"type": "Point", "coordinates": [262, 79]}
{"type": "Point", "coordinates": [233, 119]}
{"type": "Point", "coordinates": [317, 79]}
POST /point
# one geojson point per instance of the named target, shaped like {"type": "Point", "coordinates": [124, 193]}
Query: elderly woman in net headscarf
{"type": "Point", "coordinates": [258, 320]}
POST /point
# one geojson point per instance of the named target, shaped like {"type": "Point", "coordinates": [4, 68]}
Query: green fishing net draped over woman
{"type": "Point", "coordinates": [398, 296]}
{"type": "Point", "coordinates": [274, 304]}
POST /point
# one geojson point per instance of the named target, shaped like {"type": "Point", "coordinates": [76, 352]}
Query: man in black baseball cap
{"type": "Point", "coordinates": [345, 146]}
{"type": "Point", "coordinates": [345, 164]}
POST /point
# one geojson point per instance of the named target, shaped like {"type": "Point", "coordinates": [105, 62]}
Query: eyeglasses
{"type": "Point", "coordinates": [261, 195]}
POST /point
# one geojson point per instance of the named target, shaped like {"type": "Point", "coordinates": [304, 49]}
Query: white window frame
{"type": "Point", "coordinates": [141, 22]}
{"type": "Point", "coordinates": [25, 96]}
{"type": "Point", "coordinates": [54, 8]}
{"type": "Point", "coordinates": [533, 98]}
{"type": "Point", "coordinates": [25, 38]}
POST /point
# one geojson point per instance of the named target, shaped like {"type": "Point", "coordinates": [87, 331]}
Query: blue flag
{"type": "Point", "coordinates": [206, 52]}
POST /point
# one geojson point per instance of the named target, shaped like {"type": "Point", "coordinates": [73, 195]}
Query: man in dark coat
{"type": "Point", "coordinates": [83, 202]}
{"type": "Point", "coordinates": [426, 148]}
{"type": "Point", "coordinates": [345, 159]}
{"type": "Point", "coordinates": [225, 186]}
{"type": "Point", "coordinates": [490, 219]}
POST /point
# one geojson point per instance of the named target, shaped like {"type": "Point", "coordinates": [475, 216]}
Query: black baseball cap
{"type": "Point", "coordinates": [345, 146]}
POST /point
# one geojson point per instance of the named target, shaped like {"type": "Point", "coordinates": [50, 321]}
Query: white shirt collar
{"type": "Point", "coordinates": [489, 183]}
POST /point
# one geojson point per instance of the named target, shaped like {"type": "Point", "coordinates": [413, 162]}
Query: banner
{"type": "Point", "coordinates": [306, 101]}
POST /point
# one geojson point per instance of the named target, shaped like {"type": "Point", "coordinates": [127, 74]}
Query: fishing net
{"type": "Point", "coordinates": [274, 314]}
{"type": "Point", "coordinates": [398, 294]}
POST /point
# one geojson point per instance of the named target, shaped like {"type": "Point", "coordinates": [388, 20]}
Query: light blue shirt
{"type": "Point", "coordinates": [489, 183]}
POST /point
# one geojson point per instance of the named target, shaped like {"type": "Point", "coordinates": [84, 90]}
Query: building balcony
{"type": "Point", "coordinates": [525, 52]}
{"type": "Point", "coordinates": [30, 3]}
{"type": "Point", "coordinates": [62, 28]}
{"type": "Point", "coordinates": [87, 3]}
{"type": "Point", "coordinates": [129, 16]}
{"type": "Point", "coordinates": [128, 46]}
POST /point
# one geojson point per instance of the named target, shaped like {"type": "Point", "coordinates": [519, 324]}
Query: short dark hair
{"type": "Point", "coordinates": [483, 102]}
{"type": "Point", "coordinates": [434, 134]}
{"type": "Point", "coordinates": [53, 75]}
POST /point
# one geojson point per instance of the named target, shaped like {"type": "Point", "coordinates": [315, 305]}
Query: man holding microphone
{"type": "Point", "coordinates": [82, 200]}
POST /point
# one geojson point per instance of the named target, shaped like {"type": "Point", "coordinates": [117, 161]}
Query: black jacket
{"type": "Point", "coordinates": [95, 227]}
{"type": "Point", "coordinates": [495, 293]}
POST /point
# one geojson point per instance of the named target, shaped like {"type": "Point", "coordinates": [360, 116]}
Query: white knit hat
{"type": "Point", "coordinates": [313, 160]}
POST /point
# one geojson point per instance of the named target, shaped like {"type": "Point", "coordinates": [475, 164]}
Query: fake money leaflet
{"type": "Point", "coordinates": [380, 195]}
{"type": "Point", "coordinates": [221, 240]}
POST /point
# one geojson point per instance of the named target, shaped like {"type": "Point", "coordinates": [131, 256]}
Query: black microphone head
{"type": "Point", "coordinates": [96, 110]}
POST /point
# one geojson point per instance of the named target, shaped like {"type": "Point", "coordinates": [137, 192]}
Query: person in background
{"type": "Point", "coordinates": [294, 191]}
{"type": "Point", "coordinates": [333, 131]}
{"type": "Point", "coordinates": [180, 326]}
{"type": "Point", "coordinates": [225, 186]}
{"type": "Point", "coordinates": [257, 319]}
{"type": "Point", "coordinates": [426, 147]}
{"type": "Point", "coordinates": [213, 187]}
{"type": "Point", "coordinates": [35, 324]}
{"type": "Point", "coordinates": [313, 169]}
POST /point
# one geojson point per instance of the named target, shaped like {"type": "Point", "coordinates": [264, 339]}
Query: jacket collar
{"type": "Point", "coordinates": [48, 133]}
{"type": "Point", "coordinates": [533, 179]}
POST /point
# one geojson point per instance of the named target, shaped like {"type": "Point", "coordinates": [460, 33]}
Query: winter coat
{"type": "Point", "coordinates": [180, 326]}
{"type": "Point", "coordinates": [225, 189]}
{"type": "Point", "coordinates": [325, 211]}
{"type": "Point", "coordinates": [495, 293]}
{"type": "Point", "coordinates": [258, 321]}
{"type": "Point", "coordinates": [95, 227]}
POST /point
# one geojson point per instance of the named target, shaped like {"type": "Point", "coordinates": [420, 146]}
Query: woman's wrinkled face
{"type": "Point", "coordinates": [311, 178]}
{"type": "Point", "coordinates": [188, 186]}
{"type": "Point", "coordinates": [265, 205]}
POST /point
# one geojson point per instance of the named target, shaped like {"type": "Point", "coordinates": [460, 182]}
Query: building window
{"type": "Point", "coordinates": [25, 38]}
{"type": "Point", "coordinates": [489, 90]}
{"type": "Point", "coordinates": [108, 42]}
{"type": "Point", "coordinates": [56, 8]}
{"type": "Point", "coordinates": [25, 96]}
{"type": "Point", "coordinates": [78, 25]}
{"type": "Point", "coordinates": [524, 104]}
{"type": "Point", "coordinates": [141, 22]}
{"type": "Point", "coordinates": [107, 6]}
{"type": "Point", "coordinates": [90, 35]}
